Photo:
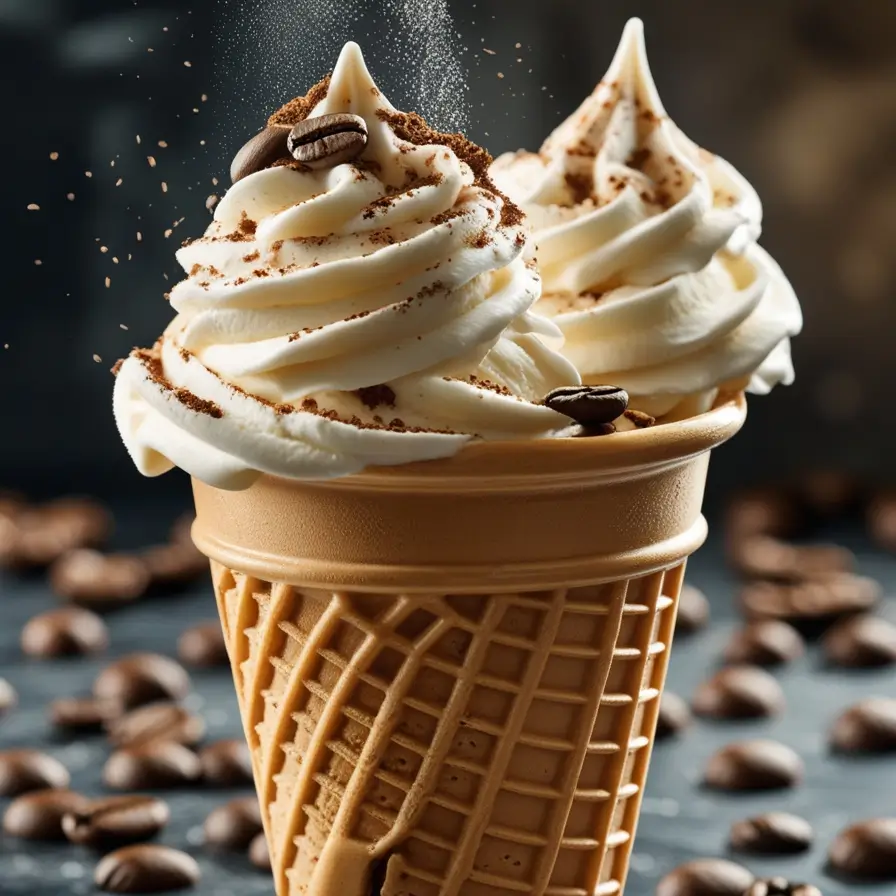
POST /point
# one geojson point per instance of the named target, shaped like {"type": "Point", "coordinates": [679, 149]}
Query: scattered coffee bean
{"type": "Point", "coordinates": [739, 692]}
{"type": "Point", "coordinates": [182, 529]}
{"type": "Point", "coordinates": [861, 642]}
{"type": "Point", "coordinates": [146, 868]}
{"type": "Point", "coordinates": [115, 821]}
{"type": "Point", "coordinates": [705, 877]}
{"type": "Point", "coordinates": [260, 152]}
{"type": "Point", "coordinates": [328, 140]}
{"type": "Point", "coordinates": [881, 520]}
{"type": "Point", "coordinates": [22, 771]}
{"type": "Point", "coordinates": [170, 565]}
{"type": "Point", "coordinates": [99, 581]}
{"type": "Point", "coordinates": [203, 646]}
{"type": "Point", "coordinates": [38, 815]}
{"type": "Point", "coordinates": [589, 405]}
{"type": "Point", "coordinates": [753, 765]}
{"type": "Point", "coordinates": [259, 854]}
{"type": "Point", "coordinates": [158, 765]}
{"type": "Point", "coordinates": [761, 511]}
{"type": "Point", "coordinates": [820, 601]}
{"type": "Point", "coordinates": [693, 611]}
{"type": "Point", "coordinates": [775, 833]}
{"type": "Point", "coordinates": [156, 722]}
{"type": "Point", "coordinates": [764, 557]}
{"type": "Point", "coordinates": [234, 825]}
{"type": "Point", "coordinates": [780, 886]}
{"type": "Point", "coordinates": [8, 697]}
{"type": "Point", "coordinates": [83, 714]}
{"type": "Point", "coordinates": [70, 631]}
{"type": "Point", "coordinates": [828, 494]}
{"type": "Point", "coordinates": [768, 642]}
{"type": "Point", "coordinates": [674, 716]}
{"type": "Point", "coordinates": [227, 763]}
{"type": "Point", "coordinates": [868, 726]}
{"type": "Point", "coordinates": [142, 678]}
{"type": "Point", "coordinates": [866, 851]}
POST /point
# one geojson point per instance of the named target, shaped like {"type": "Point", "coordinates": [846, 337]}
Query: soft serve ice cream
{"type": "Point", "coordinates": [368, 312]}
{"type": "Point", "coordinates": [647, 249]}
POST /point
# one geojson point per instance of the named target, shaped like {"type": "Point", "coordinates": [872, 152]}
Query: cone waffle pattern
{"type": "Point", "coordinates": [476, 744]}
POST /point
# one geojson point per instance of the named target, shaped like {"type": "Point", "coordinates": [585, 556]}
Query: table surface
{"type": "Point", "coordinates": [679, 820]}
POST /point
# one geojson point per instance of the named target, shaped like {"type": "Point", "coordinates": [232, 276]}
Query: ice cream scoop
{"type": "Point", "coordinates": [647, 248]}
{"type": "Point", "coordinates": [361, 298]}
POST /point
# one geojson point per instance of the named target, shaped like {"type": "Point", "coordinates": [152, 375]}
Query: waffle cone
{"type": "Point", "coordinates": [449, 673]}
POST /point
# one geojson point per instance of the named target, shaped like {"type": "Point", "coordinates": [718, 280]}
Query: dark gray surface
{"type": "Point", "coordinates": [679, 821]}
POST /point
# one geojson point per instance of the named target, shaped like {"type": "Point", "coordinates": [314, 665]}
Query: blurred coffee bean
{"type": "Point", "coordinates": [8, 697]}
{"type": "Point", "coordinates": [866, 727]}
{"type": "Point", "coordinates": [820, 601]}
{"type": "Point", "coordinates": [70, 631]}
{"type": "Point", "coordinates": [764, 557]}
{"type": "Point", "coordinates": [674, 716]}
{"type": "Point", "coordinates": [774, 833]}
{"type": "Point", "coordinates": [83, 714]}
{"type": "Point", "coordinates": [154, 722]}
{"type": "Point", "coordinates": [768, 642]}
{"type": "Point", "coordinates": [181, 531]}
{"type": "Point", "coordinates": [705, 877]}
{"type": "Point", "coordinates": [829, 494]}
{"type": "Point", "coordinates": [739, 692]}
{"type": "Point", "coordinates": [693, 611]}
{"type": "Point", "coordinates": [862, 642]}
{"type": "Point", "coordinates": [158, 765]}
{"type": "Point", "coordinates": [172, 565]}
{"type": "Point", "coordinates": [881, 520]}
{"type": "Point", "coordinates": [227, 763]}
{"type": "Point", "coordinates": [259, 854]}
{"type": "Point", "coordinates": [11, 505]}
{"type": "Point", "coordinates": [142, 678]}
{"type": "Point", "coordinates": [761, 511]}
{"type": "Point", "coordinates": [234, 825]}
{"type": "Point", "coordinates": [780, 886]}
{"type": "Point", "coordinates": [22, 771]}
{"type": "Point", "coordinates": [203, 646]}
{"type": "Point", "coordinates": [753, 765]}
{"type": "Point", "coordinates": [38, 815]}
{"type": "Point", "coordinates": [146, 868]}
{"type": "Point", "coordinates": [99, 581]}
{"type": "Point", "coordinates": [866, 851]}
{"type": "Point", "coordinates": [115, 821]}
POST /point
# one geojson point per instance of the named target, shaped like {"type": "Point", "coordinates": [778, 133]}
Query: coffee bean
{"type": "Point", "coordinates": [761, 511]}
{"type": "Point", "coordinates": [768, 642]}
{"type": "Point", "coordinates": [328, 140]}
{"type": "Point", "coordinates": [227, 763]}
{"type": "Point", "coordinates": [819, 601]}
{"type": "Point", "coordinates": [764, 557]}
{"type": "Point", "coordinates": [8, 697]}
{"type": "Point", "coordinates": [156, 722]}
{"type": "Point", "coordinates": [259, 854]}
{"type": "Point", "coordinates": [99, 581]}
{"type": "Point", "coordinates": [174, 564]}
{"type": "Point", "coordinates": [705, 877]}
{"type": "Point", "coordinates": [866, 851]}
{"type": "Point", "coordinates": [673, 717]}
{"type": "Point", "coordinates": [739, 692]}
{"type": "Point", "coordinates": [116, 821]}
{"type": "Point", "coordinates": [146, 868]}
{"type": "Point", "coordinates": [753, 765]}
{"type": "Point", "coordinates": [589, 405]}
{"type": "Point", "coordinates": [83, 714]}
{"type": "Point", "coordinates": [868, 726]}
{"type": "Point", "coordinates": [38, 815]}
{"type": "Point", "coordinates": [775, 833]}
{"type": "Point", "coordinates": [24, 770]}
{"type": "Point", "coordinates": [182, 530]}
{"type": "Point", "coordinates": [779, 886]}
{"type": "Point", "coordinates": [203, 646]}
{"type": "Point", "coordinates": [67, 632]}
{"type": "Point", "coordinates": [234, 825]}
{"type": "Point", "coordinates": [881, 520]}
{"type": "Point", "coordinates": [693, 611]}
{"type": "Point", "coordinates": [142, 678]}
{"type": "Point", "coordinates": [260, 152]}
{"type": "Point", "coordinates": [158, 765]}
{"type": "Point", "coordinates": [862, 642]}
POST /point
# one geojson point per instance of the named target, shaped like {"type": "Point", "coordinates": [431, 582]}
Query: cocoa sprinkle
{"type": "Point", "coordinates": [374, 397]}
{"type": "Point", "coordinates": [298, 109]}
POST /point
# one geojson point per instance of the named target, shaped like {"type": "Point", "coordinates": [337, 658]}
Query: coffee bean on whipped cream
{"type": "Point", "coordinates": [591, 406]}
{"type": "Point", "coordinates": [328, 140]}
{"type": "Point", "coordinates": [260, 152]}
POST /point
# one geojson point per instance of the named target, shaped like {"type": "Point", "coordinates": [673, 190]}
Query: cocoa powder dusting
{"type": "Point", "coordinates": [373, 397]}
{"type": "Point", "coordinates": [298, 109]}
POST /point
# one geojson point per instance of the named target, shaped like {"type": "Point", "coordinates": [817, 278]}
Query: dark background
{"type": "Point", "coordinates": [799, 94]}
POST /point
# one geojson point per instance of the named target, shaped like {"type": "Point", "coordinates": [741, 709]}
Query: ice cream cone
{"type": "Point", "coordinates": [449, 672]}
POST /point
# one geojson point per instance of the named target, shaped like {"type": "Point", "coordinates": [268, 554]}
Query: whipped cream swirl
{"type": "Point", "coordinates": [647, 248]}
{"type": "Point", "coordinates": [376, 312]}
